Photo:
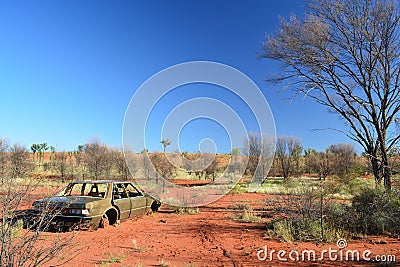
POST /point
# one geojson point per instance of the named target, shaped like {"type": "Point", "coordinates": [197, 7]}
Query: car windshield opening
{"type": "Point", "coordinates": [97, 190]}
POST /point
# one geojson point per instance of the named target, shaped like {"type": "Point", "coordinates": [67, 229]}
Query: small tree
{"type": "Point", "coordinates": [3, 158]}
{"type": "Point", "coordinates": [145, 163]}
{"type": "Point", "coordinates": [19, 161]}
{"type": "Point", "coordinates": [343, 156]}
{"type": "Point", "coordinates": [61, 163]}
{"type": "Point", "coordinates": [212, 168]}
{"type": "Point", "coordinates": [322, 163]}
{"type": "Point", "coordinates": [252, 147]}
{"type": "Point", "coordinates": [34, 148]}
{"type": "Point", "coordinates": [288, 153]}
{"type": "Point", "coordinates": [308, 156]}
{"type": "Point", "coordinates": [162, 165]}
{"type": "Point", "coordinates": [236, 162]}
{"type": "Point", "coordinates": [78, 155]}
{"type": "Point", "coordinates": [42, 148]}
{"type": "Point", "coordinates": [120, 163]}
{"type": "Point", "coordinates": [165, 143]}
{"type": "Point", "coordinates": [52, 152]}
{"type": "Point", "coordinates": [96, 158]}
{"type": "Point", "coordinates": [259, 151]}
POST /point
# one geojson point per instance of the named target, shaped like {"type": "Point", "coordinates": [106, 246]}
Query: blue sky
{"type": "Point", "coordinates": [68, 69]}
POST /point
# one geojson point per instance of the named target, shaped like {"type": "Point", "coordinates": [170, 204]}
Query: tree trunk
{"type": "Point", "coordinates": [387, 181]}
{"type": "Point", "coordinates": [381, 170]}
{"type": "Point", "coordinates": [386, 172]}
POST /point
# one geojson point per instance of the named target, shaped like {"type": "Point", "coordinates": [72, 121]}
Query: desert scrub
{"type": "Point", "coordinates": [303, 230]}
{"type": "Point", "coordinates": [377, 211]}
{"type": "Point", "coordinates": [246, 214]}
{"type": "Point", "coordinates": [111, 258]}
{"type": "Point", "coordinates": [137, 248]}
{"type": "Point", "coordinates": [239, 188]}
{"type": "Point", "coordinates": [305, 214]}
{"type": "Point", "coordinates": [186, 210]}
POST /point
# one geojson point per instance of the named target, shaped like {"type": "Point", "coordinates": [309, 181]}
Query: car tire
{"type": "Point", "coordinates": [154, 206]}
{"type": "Point", "coordinates": [104, 222]}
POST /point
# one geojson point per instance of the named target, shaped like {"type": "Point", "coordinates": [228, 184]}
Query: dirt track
{"type": "Point", "coordinates": [208, 238]}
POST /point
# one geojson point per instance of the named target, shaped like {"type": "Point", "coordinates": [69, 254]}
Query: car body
{"type": "Point", "coordinates": [97, 203]}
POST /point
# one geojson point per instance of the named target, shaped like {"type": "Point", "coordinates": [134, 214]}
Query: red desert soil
{"type": "Point", "coordinates": [208, 238]}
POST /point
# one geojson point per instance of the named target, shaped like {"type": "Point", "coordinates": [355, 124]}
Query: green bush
{"type": "Point", "coordinates": [303, 230]}
{"type": "Point", "coordinates": [377, 212]}
{"type": "Point", "coordinates": [306, 215]}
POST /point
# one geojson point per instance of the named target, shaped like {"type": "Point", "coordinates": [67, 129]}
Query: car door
{"type": "Point", "coordinates": [138, 200]}
{"type": "Point", "coordinates": [122, 200]}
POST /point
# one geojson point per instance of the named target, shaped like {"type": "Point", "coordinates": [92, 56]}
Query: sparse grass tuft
{"type": "Point", "coordinates": [185, 210]}
{"type": "Point", "coordinates": [162, 263]}
{"type": "Point", "coordinates": [246, 214]}
{"type": "Point", "coordinates": [190, 211]}
{"type": "Point", "coordinates": [239, 188]}
{"type": "Point", "coordinates": [111, 258]}
{"type": "Point", "coordinates": [136, 248]}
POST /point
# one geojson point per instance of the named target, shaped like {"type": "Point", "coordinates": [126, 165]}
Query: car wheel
{"type": "Point", "coordinates": [154, 206]}
{"type": "Point", "coordinates": [104, 222]}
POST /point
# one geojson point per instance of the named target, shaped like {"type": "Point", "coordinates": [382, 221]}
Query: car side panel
{"type": "Point", "coordinates": [139, 204]}
{"type": "Point", "coordinates": [124, 206]}
{"type": "Point", "coordinates": [98, 209]}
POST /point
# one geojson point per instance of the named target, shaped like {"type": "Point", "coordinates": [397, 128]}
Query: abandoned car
{"type": "Point", "coordinates": [93, 204]}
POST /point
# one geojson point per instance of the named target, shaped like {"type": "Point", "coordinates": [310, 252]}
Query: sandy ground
{"type": "Point", "coordinates": [209, 237]}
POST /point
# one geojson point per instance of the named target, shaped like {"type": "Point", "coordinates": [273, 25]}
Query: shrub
{"type": "Point", "coordinates": [377, 212]}
{"type": "Point", "coordinates": [246, 214]}
{"type": "Point", "coordinates": [308, 214]}
{"type": "Point", "coordinates": [303, 230]}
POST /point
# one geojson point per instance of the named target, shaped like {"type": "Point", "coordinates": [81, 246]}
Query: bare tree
{"type": "Point", "coordinates": [322, 163]}
{"type": "Point", "coordinates": [308, 159]}
{"type": "Point", "coordinates": [236, 163]}
{"type": "Point", "coordinates": [19, 161]}
{"type": "Point", "coordinates": [259, 151]}
{"type": "Point", "coordinates": [96, 158]}
{"type": "Point", "coordinates": [288, 153]}
{"type": "Point", "coordinates": [30, 246]}
{"type": "Point", "coordinates": [343, 156]}
{"type": "Point", "coordinates": [345, 55]}
{"type": "Point", "coordinates": [252, 147]}
{"type": "Point", "coordinates": [145, 163]}
{"type": "Point", "coordinates": [212, 168]}
{"type": "Point", "coordinates": [162, 165]}
{"type": "Point", "coordinates": [61, 163]}
{"type": "Point", "coordinates": [3, 158]}
{"type": "Point", "coordinates": [118, 158]}
{"type": "Point", "coordinates": [78, 155]}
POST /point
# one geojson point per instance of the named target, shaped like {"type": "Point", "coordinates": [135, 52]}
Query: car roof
{"type": "Point", "coordinates": [98, 181]}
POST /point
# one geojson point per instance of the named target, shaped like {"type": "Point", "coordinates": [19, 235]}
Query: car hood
{"type": "Point", "coordinates": [68, 201]}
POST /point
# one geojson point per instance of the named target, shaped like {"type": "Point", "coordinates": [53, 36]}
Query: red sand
{"type": "Point", "coordinates": [208, 238]}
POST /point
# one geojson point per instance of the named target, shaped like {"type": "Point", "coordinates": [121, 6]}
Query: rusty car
{"type": "Point", "coordinates": [96, 203]}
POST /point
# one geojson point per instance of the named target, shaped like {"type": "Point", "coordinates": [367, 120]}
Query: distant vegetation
{"type": "Point", "coordinates": [306, 183]}
{"type": "Point", "coordinates": [95, 160]}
